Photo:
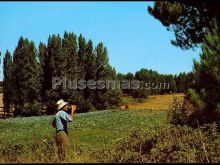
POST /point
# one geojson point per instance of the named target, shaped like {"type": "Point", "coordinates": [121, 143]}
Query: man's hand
{"type": "Point", "coordinates": [73, 108]}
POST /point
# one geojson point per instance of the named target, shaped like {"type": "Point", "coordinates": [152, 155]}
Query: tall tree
{"type": "Point", "coordinates": [105, 97]}
{"type": "Point", "coordinates": [8, 81]}
{"type": "Point", "coordinates": [26, 72]}
{"type": "Point", "coordinates": [42, 56]}
{"type": "Point", "coordinates": [82, 56]}
{"type": "Point", "coordinates": [187, 19]}
{"type": "Point", "coordinates": [55, 66]}
{"type": "Point", "coordinates": [207, 71]}
{"type": "Point", "coordinates": [70, 50]}
{"type": "Point", "coordinates": [90, 68]}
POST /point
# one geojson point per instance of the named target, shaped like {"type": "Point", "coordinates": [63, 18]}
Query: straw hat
{"type": "Point", "coordinates": [60, 104]}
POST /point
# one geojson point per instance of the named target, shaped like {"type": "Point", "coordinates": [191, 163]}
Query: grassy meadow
{"type": "Point", "coordinates": [153, 102]}
{"type": "Point", "coordinates": [109, 136]}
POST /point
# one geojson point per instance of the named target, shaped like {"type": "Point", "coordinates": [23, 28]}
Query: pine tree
{"type": "Point", "coordinates": [26, 72]}
{"type": "Point", "coordinates": [105, 98]}
{"type": "Point", "coordinates": [90, 64]}
{"type": "Point", "coordinates": [7, 81]}
{"type": "Point", "coordinates": [101, 61]}
{"type": "Point", "coordinates": [90, 68]}
{"type": "Point", "coordinates": [55, 66]}
{"type": "Point", "coordinates": [82, 56]}
{"type": "Point", "coordinates": [70, 50]}
{"type": "Point", "coordinates": [42, 56]}
{"type": "Point", "coordinates": [207, 71]}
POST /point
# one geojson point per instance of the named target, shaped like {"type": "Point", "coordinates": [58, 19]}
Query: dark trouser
{"type": "Point", "coordinates": [63, 144]}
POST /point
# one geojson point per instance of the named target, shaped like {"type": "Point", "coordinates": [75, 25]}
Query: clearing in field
{"type": "Point", "coordinates": [154, 102]}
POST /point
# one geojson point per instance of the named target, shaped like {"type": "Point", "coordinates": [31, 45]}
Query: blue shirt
{"type": "Point", "coordinates": [62, 118]}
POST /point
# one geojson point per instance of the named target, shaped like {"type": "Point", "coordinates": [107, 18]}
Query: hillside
{"type": "Point", "coordinates": [89, 132]}
{"type": "Point", "coordinates": [107, 136]}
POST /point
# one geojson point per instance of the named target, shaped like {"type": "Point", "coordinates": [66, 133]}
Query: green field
{"type": "Point", "coordinates": [90, 131]}
{"type": "Point", "coordinates": [104, 136]}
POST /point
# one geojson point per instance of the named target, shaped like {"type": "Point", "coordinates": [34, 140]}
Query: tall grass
{"type": "Point", "coordinates": [108, 136]}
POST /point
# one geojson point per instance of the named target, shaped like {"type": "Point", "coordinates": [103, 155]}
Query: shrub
{"type": "Point", "coordinates": [177, 113]}
{"type": "Point", "coordinates": [139, 93]}
{"type": "Point", "coordinates": [86, 106]}
{"type": "Point", "coordinates": [114, 99]}
{"type": "Point", "coordinates": [31, 109]}
{"type": "Point", "coordinates": [170, 144]}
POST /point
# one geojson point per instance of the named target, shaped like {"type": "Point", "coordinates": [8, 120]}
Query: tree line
{"type": "Point", "coordinates": [153, 82]}
{"type": "Point", "coordinates": [28, 74]}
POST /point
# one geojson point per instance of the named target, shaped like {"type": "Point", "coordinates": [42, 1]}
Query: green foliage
{"type": "Point", "coordinates": [165, 145]}
{"type": "Point", "coordinates": [195, 98]}
{"type": "Point", "coordinates": [105, 98]}
{"type": "Point", "coordinates": [177, 114]}
{"type": "Point", "coordinates": [187, 20]}
{"type": "Point", "coordinates": [150, 82]}
{"type": "Point", "coordinates": [114, 98]}
{"type": "Point", "coordinates": [26, 73]}
{"type": "Point", "coordinates": [184, 81]}
{"type": "Point", "coordinates": [139, 93]}
{"type": "Point", "coordinates": [32, 109]}
{"type": "Point", "coordinates": [82, 62]}
{"type": "Point", "coordinates": [8, 84]}
{"type": "Point", "coordinates": [86, 106]}
{"type": "Point", "coordinates": [207, 86]}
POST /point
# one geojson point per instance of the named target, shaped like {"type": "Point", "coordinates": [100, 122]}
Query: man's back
{"type": "Point", "coordinates": [61, 120]}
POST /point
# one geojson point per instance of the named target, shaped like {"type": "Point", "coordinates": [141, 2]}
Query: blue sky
{"type": "Point", "coordinates": [134, 39]}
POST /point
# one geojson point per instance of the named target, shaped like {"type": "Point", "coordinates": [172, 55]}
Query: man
{"type": "Point", "coordinates": [60, 123]}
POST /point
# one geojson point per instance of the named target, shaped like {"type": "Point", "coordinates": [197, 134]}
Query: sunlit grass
{"type": "Point", "coordinates": [32, 139]}
{"type": "Point", "coordinates": [154, 102]}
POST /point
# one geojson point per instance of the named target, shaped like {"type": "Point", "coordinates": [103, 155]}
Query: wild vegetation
{"type": "Point", "coordinates": [178, 124]}
{"type": "Point", "coordinates": [109, 136]}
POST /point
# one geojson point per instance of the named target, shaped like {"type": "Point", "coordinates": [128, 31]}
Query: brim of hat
{"type": "Point", "coordinates": [62, 105]}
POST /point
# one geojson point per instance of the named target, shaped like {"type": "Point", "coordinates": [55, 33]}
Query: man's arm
{"type": "Point", "coordinates": [73, 109]}
{"type": "Point", "coordinates": [54, 123]}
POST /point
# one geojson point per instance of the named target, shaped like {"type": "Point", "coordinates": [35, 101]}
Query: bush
{"type": "Point", "coordinates": [85, 106]}
{"type": "Point", "coordinates": [177, 113]}
{"type": "Point", "coordinates": [139, 93]}
{"type": "Point", "coordinates": [51, 109]}
{"type": "Point", "coordinates": [31, 109]}
{"type": "Point", "coordinates": [170, 144]}
{"type": "Point", "coordinates": [114, 98]}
